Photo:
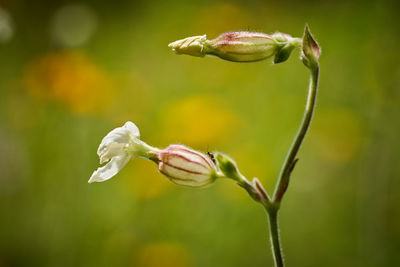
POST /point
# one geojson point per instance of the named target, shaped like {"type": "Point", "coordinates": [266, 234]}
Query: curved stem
{"type": "Point", "coordinates": [257, 191]}
{"type": "Point", "coordinates": [288, 166]}
{"type": "Point", "coordinates": [291, 160]}
{"type": "Point", "coordinates": [274, 236]}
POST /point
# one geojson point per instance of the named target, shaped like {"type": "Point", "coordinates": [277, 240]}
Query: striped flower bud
{"type": "Point", "coordinates": [241, 46]}
{"type": "Point", "coordinates": [185, 166]}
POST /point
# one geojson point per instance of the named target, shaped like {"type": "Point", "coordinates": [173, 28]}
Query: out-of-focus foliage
{"type": "Point", "coordinates": [72, 71]}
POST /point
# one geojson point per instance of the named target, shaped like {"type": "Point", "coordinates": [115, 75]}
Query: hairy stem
{"type": "Point", "coordinates": [289, 164]}
{"type": "Point", "coordinates": [291, 160]}
{"type": "Point", "coordinates": [257, 191]}
{"type": "Point", "coordinates": [274, 236]}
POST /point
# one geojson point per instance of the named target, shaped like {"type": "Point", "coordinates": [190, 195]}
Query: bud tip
{"type": "Point", "coordinates": [193, 46]}
{"type": "Point", "coordinates": [310, 46]}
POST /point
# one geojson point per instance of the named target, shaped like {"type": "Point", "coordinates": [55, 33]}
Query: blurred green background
{"type": "Point", "coordinates": [70, 71]}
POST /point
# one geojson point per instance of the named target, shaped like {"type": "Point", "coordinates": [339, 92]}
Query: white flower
{"type": "Point", "coordinates": [117, 148]}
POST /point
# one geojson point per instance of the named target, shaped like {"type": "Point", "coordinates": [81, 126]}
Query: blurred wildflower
{"type": "Point", "coordinates": [186, 166]}
{"type": "Point", "coordinates": [72, 79]}
{"type": "Point", "coordinates": [117, 148]}
{"type": "Point", "coordinates": [163, 254]}
{"type": "Point", "coordinates": [198, 120]}
{"type": "Point", "coordinates": [73, 25]}
{"type": "Point", "coordinates": [6, 26]}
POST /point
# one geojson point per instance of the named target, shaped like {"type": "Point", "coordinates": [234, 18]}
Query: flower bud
{"type": "Point", "coordinates": [242, 46]}
{"type": "Point", "coordinates": [310, 49]}
{"type": "Point", "coordinates": [239, 46]}
{"type": "Point", "coordinates": [186, 166]}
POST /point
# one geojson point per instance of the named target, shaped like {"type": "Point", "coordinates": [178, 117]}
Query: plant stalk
{"type": "Point", "coordinates": [257, 191]}
{"type": "Point", "coordinates": [274, 237]}
{"type": "Point", "coordinates": [291, 160]}
{"type": "Point", "coordinates": [289, 164]}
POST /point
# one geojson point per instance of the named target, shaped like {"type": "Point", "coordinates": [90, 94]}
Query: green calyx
{"type": "Point", "coordinates": [227, 166]}
{"type": "Point", "coordinates": [285, 44]}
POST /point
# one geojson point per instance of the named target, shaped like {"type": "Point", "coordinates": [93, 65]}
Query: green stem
{"type": "Point", "coordinates": [274, 236]}
{"type": "Point", "coordinates": [288, 166]}
{"type": "Point", "coordinates": [257, 191]}
{"type": "Point", "coordinates": [291, 160]}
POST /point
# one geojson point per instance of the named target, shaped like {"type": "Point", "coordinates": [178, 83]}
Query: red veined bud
{"type": "Point", "coordinates": [185, 166]}
{"type": "Point", "coordinates": [241, 46]}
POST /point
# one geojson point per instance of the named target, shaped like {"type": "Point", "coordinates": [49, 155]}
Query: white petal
{"type": "Point", "coordinates": [112, 150]}
{"type": "Point", "coordinates": [114, 142]}
{"type": "Point", "coordinates": [110, 169]}
{"type": "Point", "coordinates": [118, 135]}
{"type": "Point", "coordinates": [133, 129]}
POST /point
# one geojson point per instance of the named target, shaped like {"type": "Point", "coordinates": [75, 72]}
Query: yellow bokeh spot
{"type": "Point", "coordinates": [71, 79]}
{"type": "Point", "coordinates": [337, 134]}
{"type": "Point", "coordinates": [198, 121]}
{"type": "Point", "coordinates": [141, 179]}
{"type": "Point", "coordinates": [163, 254]}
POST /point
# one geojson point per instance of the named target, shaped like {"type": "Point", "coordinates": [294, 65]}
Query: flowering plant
{"type": "Point", "coordinates": [188, 167]}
